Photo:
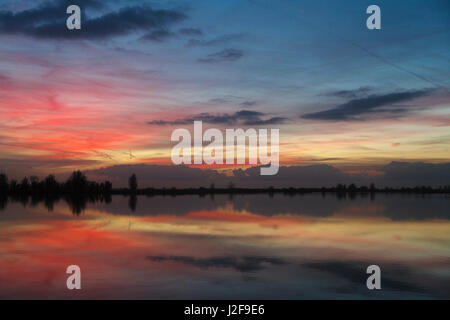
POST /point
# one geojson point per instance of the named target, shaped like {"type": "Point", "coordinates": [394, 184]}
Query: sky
{"type": "Point", "coordinates": [109, 95]}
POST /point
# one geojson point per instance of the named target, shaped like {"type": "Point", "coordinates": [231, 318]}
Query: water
{"type": "Point", "coordinates": [309, 246]}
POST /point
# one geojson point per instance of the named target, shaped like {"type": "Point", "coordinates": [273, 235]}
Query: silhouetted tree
{"type": "Point", "coordinates": [108, 187]}
{"type": "Point", "coordinates": [271, 191]}
{"type": "Point", "coordinates": [4, 187]}
{"type": "Point", "coordinates": [13, 186]}
{"type": "Point", "coordinates": [77, 183]}
{"type": "Point", "coordinates": [34, 184]}
{"type": "Point", "coordinates": [77, 191]}
{"type": "Point", "coordinates": [352, 188]}
{"type": "Point", "coordinates": [132, 183]}
{"type": "Point", "coordinates": [51, 186]}
{"type": "Point", "coordinates": [24, 186]}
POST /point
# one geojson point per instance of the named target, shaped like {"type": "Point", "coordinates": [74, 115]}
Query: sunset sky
{"type": "Point", "coordinates": [112, 93]}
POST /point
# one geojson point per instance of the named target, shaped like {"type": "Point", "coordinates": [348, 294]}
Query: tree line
{"type": "Point", "coordinates": [78, 191]}
{"type": "Point", "coordinates": [78, 185]}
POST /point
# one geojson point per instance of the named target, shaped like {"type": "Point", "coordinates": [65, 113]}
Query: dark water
{"type": "Point", "coordinates": [250, 247]}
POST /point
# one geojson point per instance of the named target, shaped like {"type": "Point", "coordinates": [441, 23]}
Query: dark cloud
{"type": "Point", "coordinates": [350, 94]}
{"type": "Point", "coordinates": [224, 55]}
{"type": "Point", "coordinates": [215, 41]}
{"type": "Point", "coordinates": [324, 159]}
{"type": "Point", "coordinates": [158, 35]}
{"type": "Point", "coordinates": [49, 21]}
{"type": "Point", "coordinates": [244, 117]}
{"type": "Point", "coordinates": [394, 277]}
{"type": "Point", "coordinates": [163, 34]}
{"type": "Point", "coordinates": [190, 32]}
{"type": "Point", "coordinates": [248, 104]}
{"type": "Point", "coordinates": [358, 109]}
{"type": "Point", "coordinates": [242, 264]}
{"type": "Point", "coordinates": [316, 175]}
{"type": "Point", "coordinates": [395, 174]}
{"type": "Point", "coordinates": [416, 173]}
{"type": "Point", "coordinates": [261, 122]}
{"type": "Point", "coordinates": [157, 175]}
{"type": "Point", "coordinates": [218, 100]}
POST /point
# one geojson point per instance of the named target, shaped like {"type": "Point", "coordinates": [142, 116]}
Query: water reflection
{"type": "Point", "coordinates": [253, 246]}
{"type": "Point", "coordinates": [132, 202]}
{"type": "Point", "coordinates": [3, 202]}
{"type": "Point", "coordinates": [77, 203]}
{"type": "Point", "coordinates": [394, 206]}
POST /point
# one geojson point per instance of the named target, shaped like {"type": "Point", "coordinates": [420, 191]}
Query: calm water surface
{"type": "Point", "coordinates": [254, 246]}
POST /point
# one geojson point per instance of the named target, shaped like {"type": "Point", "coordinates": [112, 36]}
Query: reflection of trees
{"type": "Point", "coordinates": [393, 206]}
{"type": "Point", "coordinates": [132, 202]}
{"type": "Point", "coordinates": [77, 203]}
{"type": "Point", "coordinates": [49, 203]}
{"type": "Point", "coordinates": [23, 199]}
{"type": "Point", "coordinates": [3, 202]}
{"type": "Point", "coordinates": [77, 191]}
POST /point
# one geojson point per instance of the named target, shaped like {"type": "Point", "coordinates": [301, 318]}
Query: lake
{"type": "Point", "coordinates": [311, 246]}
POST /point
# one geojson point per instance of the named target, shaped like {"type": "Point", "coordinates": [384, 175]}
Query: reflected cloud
{"type": "Point", "coordinates": [242, 264]}
{"type": "Point", "coordinates": [396, 207]}
{"type": "Point", "coordinates": [167, 243]}
{"type": "Point", "coordinates": [394, 277]}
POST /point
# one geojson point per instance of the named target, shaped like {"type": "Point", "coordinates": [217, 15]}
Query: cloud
{"type": "Point", "coordinates": [350, 94]}
{"type": "Point", "coordinates": [242, 264]}
{"type": "Point", "coordinates": [248, 104]}
{"type": "Point", "coordinates": [218, 100]}
{"type": "Point", "coordinates": [157, 175]}
{"type": "Point", "coordinates": [49, 21]}
{"type": "Point", "coordinates": [215, 41]}
{"type": "Point", "coordinates": [163, 34]}
{"type": "Point", "coordinates": [416, 173]}
{"type": "Point", "coordinates": [261, 122]}
{"type": "Point", "coordinates": [395, 174]}
{"type": "Point", "coordinates": [244, 117]}
{"type": "Point", "coordinates": [224, 55]}
{"type": "Point", "coordinates": [158, 35]}
{"type": "Point", "coordinates": [358, 109]}
{"type": "Point", "coordinates": [316, 175]}
{"type": "Point", "coordinates": [190, 32]}
{"type": "Point", "coordinates": [395, 277]}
